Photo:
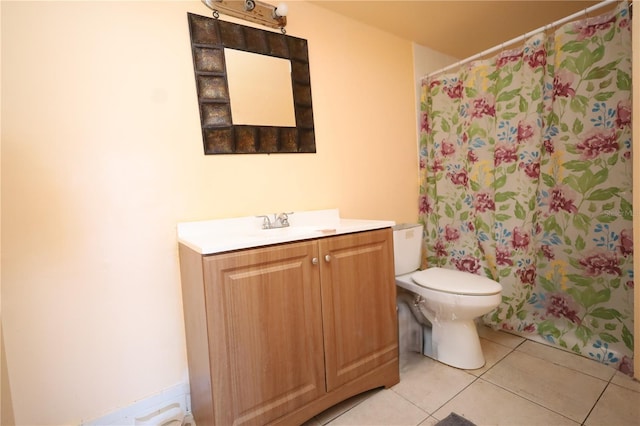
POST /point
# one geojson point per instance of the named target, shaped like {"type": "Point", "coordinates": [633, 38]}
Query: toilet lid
{"type": "Point", "coordinates": [457, 282]}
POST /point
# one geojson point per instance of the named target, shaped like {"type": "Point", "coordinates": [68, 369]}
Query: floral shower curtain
{"type": "Point", "coordinates": [525, 163]}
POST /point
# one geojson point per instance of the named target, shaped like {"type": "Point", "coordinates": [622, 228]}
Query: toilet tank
{"type": "Point", "coordinates": [407, 247]}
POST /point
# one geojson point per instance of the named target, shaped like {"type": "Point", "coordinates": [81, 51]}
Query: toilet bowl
{"type": "Point", "coordinates": [449, 300]}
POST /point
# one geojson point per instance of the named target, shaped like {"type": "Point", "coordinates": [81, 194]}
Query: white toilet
{"type": "Point", "coordinates": [448, 300]}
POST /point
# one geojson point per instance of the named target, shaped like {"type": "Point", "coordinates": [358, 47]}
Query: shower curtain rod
{"type": "Point", "coordinates": [523, 37]}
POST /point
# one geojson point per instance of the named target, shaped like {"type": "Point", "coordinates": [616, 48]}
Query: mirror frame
{"type": "Point", "coordinates": [209, 38]}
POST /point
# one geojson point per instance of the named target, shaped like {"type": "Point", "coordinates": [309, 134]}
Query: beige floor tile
{"type": "Point", "coordinates": [500, 337]}
{"type": "Point", "coordinates": [567, 359]}
{"type": "Point", "coordinates": [384, 408]}
{"type": "Point", "coordinates": [618, 406]}
{"type": "Point", "coordinates": [429, 384]}
{"type": "Point", "coordinates": [534, 385]}
{"type": "Point", "coordinates": [486, 404]}
{"type": "Point", "coordinates": [625, 381]}
{"type": "Point", "coordinates": [493, 353]}
{"type": "Point", "coordinates": [555, 387]}
{"type": "Point", "coordinates": [342, 407]}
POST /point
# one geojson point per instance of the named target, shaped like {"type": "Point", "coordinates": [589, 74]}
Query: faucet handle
{"type": "Point", "coordinates": [284, 218]}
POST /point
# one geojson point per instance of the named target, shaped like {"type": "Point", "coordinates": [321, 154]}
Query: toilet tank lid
{"type": "Point", "coordinates": [458, 282]}
{"type": "Point", "coordinates": [402, 226]}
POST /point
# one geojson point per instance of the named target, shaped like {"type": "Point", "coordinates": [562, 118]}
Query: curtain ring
{"type": "Point", "coordinates": [501, 53]}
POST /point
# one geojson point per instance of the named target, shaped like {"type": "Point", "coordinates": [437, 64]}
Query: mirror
{"type": "Point", "coordinates": [253, 101]}
{"type": "Point", "coordinates": [216, 46]}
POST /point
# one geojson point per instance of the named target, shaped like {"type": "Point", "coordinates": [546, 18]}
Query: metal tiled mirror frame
{"type": "Point", "coordinates": [209, 38]}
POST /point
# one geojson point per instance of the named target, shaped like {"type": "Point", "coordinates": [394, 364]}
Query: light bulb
{"type": "Point", "coordinates": [209, 3]}
{"type": "Point", "coordinates": [282, 9]}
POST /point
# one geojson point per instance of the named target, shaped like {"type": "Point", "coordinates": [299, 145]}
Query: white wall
{"type": "Point", "coordinates": [426, 61]}
{"type": "Point", "coordinates": [102, 156]}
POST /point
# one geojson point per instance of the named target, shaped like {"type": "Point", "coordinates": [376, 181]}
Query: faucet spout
{"type": "Point", "coordinates": [266, 223]}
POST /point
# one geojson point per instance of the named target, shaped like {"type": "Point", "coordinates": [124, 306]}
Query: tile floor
{"type": "Point", "coordinates": [522, 383]}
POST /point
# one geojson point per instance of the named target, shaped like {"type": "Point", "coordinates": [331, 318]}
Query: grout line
{"type": "Point", "coordinates": [529, 400]}
{"type": "Point", "coordinates": [623, 386]}
{"type": "Point", "coordinates": [512, 350]}
{"type": "Point", "coordinates": [541, 357]}
{"type": "Point", "coordinates": [518, 395]}
{"type": "Point", "coordinates": [596, 403]}
{"type": "Point", "coordinates": [476, 378]}
{"type": "Point", "coordinates": [414, 404]}
{"type": "Point", "coordinates": [439, 407]}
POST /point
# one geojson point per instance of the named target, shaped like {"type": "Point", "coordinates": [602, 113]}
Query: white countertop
{"type": "Point", "coordinates": [216, 236]}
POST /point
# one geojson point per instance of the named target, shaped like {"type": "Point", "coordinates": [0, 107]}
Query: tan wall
{"type": "Point", "coordinates": [102, 156]}
{"type": "Point", "coordinates": [6, 411]}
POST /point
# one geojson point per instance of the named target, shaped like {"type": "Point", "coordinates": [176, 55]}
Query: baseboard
{"type": "Point", "coordinates": [171, 406]}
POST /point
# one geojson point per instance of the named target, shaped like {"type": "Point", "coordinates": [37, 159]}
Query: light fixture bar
{"type": "Point", "coordinates": [251, 10]}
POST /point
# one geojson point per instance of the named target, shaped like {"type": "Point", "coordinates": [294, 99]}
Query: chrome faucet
{"type": "Point", "coordinates": [280, 220]}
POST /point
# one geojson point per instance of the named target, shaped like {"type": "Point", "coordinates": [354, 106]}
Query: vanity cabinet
{"type": "Point", "coordinates": [277, 334]}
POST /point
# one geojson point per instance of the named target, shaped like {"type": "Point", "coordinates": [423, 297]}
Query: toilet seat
{"type": "Point", "coordinates": [455, 282]}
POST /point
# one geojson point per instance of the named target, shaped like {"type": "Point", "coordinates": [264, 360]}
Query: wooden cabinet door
{"type": "Point", "coordinates": [358, 303]}
{"type": "Point", "coordinates": [265, 332]}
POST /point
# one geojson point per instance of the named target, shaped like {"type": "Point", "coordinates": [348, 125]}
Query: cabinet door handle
{"type": "Point", "coordinates": [314, 261]}
{"type": "Point", "coordinates": [327, 258]}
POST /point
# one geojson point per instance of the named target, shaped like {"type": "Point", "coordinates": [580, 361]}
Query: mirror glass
{"type": "Point", "coordinates": [253, 101]}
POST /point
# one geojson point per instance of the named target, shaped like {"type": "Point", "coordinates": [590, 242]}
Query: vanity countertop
{"type": "Point", "coordinates": [220, 235]}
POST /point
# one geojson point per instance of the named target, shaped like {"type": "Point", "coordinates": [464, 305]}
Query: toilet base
{"type": "Point", "coordinates": [461, 346]}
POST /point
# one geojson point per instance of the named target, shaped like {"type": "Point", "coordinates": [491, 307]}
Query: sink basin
{"type": "Point", "coordinates": [291, 231]}
{"type": "Point", "coordinates": [220, 235]}
{"type": "Point", "coordinates": [276, 235]}
{"type": "Point", "coordinates": [287, 231]}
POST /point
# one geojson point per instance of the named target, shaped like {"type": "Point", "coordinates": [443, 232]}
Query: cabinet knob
{"type": "Point", "coordinates": [327, 258]}
{"type": "Point", "coordinates": [314, 260]}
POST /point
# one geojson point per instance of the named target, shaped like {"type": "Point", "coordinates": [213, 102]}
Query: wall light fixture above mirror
{"type": "Point", "coordinates": [210, 38]}
{"type": "Point", "coordinates": [251, 10]}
